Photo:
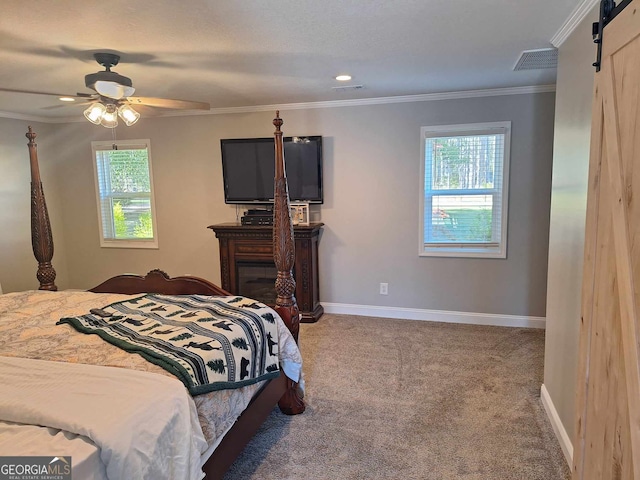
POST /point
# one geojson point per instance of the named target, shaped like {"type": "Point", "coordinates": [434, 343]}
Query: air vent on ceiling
{"type": "Point", "coordinates": [537, 59]}
{"type": "Point", "coordinates": [345, 88]}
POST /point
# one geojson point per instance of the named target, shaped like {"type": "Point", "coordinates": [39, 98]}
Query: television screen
{"type": "Point", "coordinates": [248, 169]}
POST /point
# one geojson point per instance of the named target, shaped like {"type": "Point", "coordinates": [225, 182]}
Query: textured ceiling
{"type": "Point", "coordinates": [240, 53]}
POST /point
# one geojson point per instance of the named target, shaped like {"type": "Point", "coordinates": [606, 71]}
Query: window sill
{"type": "Point", "coordinates": [148, 244]}
{"type": "Point", "coordinates": [463, 252]}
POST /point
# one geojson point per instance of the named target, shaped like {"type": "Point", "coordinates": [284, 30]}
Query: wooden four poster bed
{"type": "Point", "coordinates": [263, 397]}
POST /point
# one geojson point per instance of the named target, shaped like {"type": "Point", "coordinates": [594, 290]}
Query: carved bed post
{"type": "Point", "coordinates": [41, 238]}
{"type": "Point", "coordinates": [291, 402]}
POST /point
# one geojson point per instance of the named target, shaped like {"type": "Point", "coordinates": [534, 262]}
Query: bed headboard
{"type": "Point", "coordinates": [157, 281]}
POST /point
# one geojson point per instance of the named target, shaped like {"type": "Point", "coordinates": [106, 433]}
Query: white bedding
{"type": "Point", "coordinates": [104, 406]}
{"type": "Point", "coordinates": [28, 330]}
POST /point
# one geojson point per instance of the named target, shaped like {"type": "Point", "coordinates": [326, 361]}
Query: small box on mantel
{"type": "Point", "coordinates": [299, 213]}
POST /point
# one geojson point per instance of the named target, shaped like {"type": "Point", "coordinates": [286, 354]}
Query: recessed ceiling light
{"type": "Point", "coordinates": [343, 78]}
{"type": "Point", "coordinates": [67, 99]}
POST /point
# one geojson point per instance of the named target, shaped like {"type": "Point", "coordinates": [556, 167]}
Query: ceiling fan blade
{"type": "Point", "coordinates": [64, 105]}
{"type": "Point", "coordinates": [168, 103]}
{"type": "Point", "coordinates": [32, 92]}
{"type": "Point", "coordinates": [147, 111]}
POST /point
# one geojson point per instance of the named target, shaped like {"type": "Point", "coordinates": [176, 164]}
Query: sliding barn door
{"type": "Point", "coordinates": [607, 443]}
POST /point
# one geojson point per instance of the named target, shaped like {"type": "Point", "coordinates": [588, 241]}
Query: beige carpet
{"type": "Point", "coordinates": [398, 399]}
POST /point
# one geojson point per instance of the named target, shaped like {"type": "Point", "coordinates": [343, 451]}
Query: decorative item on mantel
{"type": "Point", "coordinates": [299, 213]}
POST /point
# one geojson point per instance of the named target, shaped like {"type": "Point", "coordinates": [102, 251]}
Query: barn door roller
{"type": "Point", "coordinates": [608, 11]}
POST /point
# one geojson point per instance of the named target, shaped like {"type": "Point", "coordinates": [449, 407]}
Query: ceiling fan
{"type": "Point", "coordinates": [113, 97]}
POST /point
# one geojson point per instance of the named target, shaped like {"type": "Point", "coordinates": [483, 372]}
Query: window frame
{"type": "Point", "coordinates": [152, 243]}
{"type": "Point", "coordinates": [466, 250]}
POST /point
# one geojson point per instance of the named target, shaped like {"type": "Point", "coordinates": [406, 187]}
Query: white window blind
{"type": "Point", "coordinates": [124, 187]}
{"type": "Point", "coordinates": [464, 190]}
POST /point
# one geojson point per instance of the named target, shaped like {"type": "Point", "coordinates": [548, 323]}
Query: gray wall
{"type": "Point", "coordinates": [568, 208]}
{"type": "Point", "coordinates": [372, 158]}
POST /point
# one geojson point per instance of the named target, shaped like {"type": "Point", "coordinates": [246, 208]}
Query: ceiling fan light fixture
{"type": "Point", "coordinates": [109, 117]}
{"type": "Point", "coordinates": [95, 112]}
{"type": "Point", "coordinates": [128, 114]}
{"type": "Point", "coordinates": [113, 89]}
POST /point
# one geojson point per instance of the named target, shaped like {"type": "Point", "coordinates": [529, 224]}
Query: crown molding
{"type": "Point", "coordinates": [570, 24]}
{"type": "Point", "coordinates": [36, 118]}
{"type": "Point", "coordinates": [19, 116]}
{"type": "Point", "coordinates": [426, 97]}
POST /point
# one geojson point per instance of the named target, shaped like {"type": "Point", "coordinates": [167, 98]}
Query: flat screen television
{"type": "Point", "coordinates": [248, 169]}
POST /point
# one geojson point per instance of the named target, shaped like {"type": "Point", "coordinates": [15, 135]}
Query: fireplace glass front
{"type": "Point", "coordinates": [257, 280]}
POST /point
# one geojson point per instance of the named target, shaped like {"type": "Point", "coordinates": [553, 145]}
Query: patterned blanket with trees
{"type": "Point", "coordinates": [209, 343]}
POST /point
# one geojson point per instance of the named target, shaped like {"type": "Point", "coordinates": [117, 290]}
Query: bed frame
{"type": "Point", "coordinates": [281, 390]}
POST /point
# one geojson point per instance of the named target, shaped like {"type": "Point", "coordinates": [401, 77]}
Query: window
{"type": "Point", "coordinates": [124, 187]}
{"type": "Point", "coordinates": [464, 180]}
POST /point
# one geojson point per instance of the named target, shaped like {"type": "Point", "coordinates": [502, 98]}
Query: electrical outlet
{"type": "Point", "coordinates": [384, 289]}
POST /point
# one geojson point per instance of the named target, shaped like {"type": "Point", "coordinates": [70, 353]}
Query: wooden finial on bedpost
{"type": "Point", "coordinates": [277, 121]}
{"type": "Point", "coordinates": [41, 237]}
{"type": "Point", "coordinates": [291, 402]}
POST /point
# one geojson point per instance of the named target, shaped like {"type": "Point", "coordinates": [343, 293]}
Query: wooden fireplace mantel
{"type": "Point", "coordinates": [254, 243]}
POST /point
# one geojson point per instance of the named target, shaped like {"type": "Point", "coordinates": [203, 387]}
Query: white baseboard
{"type": "Point", "coordinates": [436, 315]}
{"type": "Point", "coordinates": [558, 428]}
